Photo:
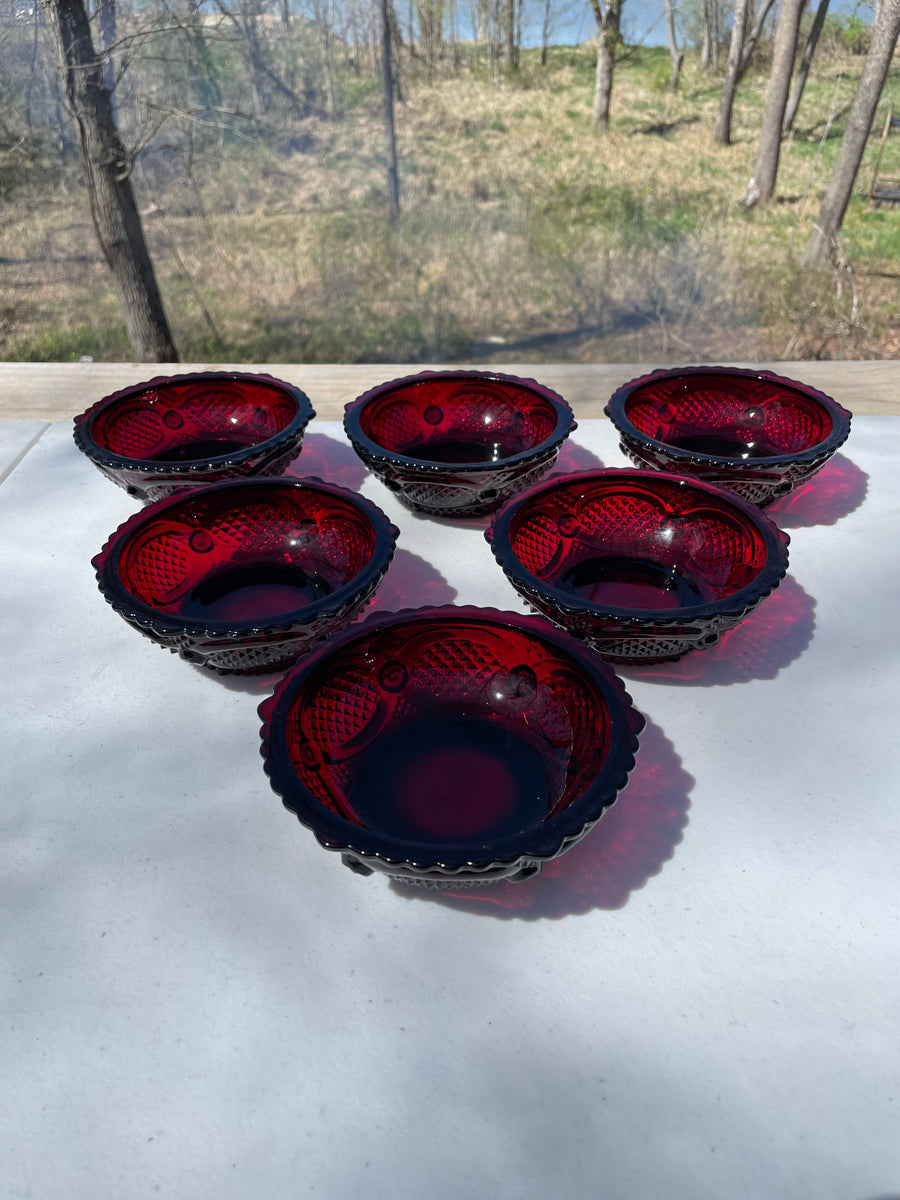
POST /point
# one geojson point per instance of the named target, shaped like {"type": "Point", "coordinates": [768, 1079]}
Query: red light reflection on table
{"type": "Point", "coordinates": [328, 459]}
{"type": "Point", "coordinates": [832, 493]}
{"type": "Point", "coordinates": [630, 845]}
{"type": "Point", "coordinates": [573, 457]}
{"type": "Point", "coordinates": [772, 637]}
{"type": "Point", "coordinates": [411, 582]}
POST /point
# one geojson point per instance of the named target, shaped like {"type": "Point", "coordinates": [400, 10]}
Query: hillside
{"type": "Point", "coordinates": [523, 235]}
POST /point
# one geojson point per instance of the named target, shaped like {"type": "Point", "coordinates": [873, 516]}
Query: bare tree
{"type": "Point", "coordinates": [107, 168]}
{"type": "Point", "coordinates": [324, 17]}
{"type": "Point", "coordinates": [722, 131]}
{"type": "Point", "coordinates": [494, 26]}
{"type": "Point", "coordinates": [202, 68]}
{"type": "Point", "coordinates": [885, 32]}
{"type": "Point", "coordinates": [675, 53]}
{"type": "Point", "coordinates": [509, 34]}
{"type": "Point", "coordinates": [609, 18]}
{"type": "Point", "coordinates": [387, 79]}
{"type": "Point", "coordinates": [803, 70]}
{"type": "Point", "coordinates": [545, 31]}
{"type": "Point", "coordinates": [454, 44]}
{"type": "Point", "coordinates": [753, 34]}
{"type": "Point", "coordinates": [709, 43]}
{"type": "Point", "coordinates": [106, 19]}
{"type": "Point", "coordinates": [761, 187]}
{"type": "Point", "coordinates": [431, 21]}
{"type": "Point", "coordinates": [743, 42]}
{"type": "Point", "coordinates": [263, 77]}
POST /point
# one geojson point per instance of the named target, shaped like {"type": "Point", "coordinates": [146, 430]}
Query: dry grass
{"type": "Point", "coordinates": [523, 235]}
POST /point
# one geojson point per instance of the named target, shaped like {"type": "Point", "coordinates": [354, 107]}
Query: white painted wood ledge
{"type": "Point", "coordinates": [59, 391]}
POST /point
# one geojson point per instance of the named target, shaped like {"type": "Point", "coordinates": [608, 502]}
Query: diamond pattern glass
{"type": "Point", "coordinates": [457, 443]}
{"type": "Point", "coordinates": [245, 576]}
{"type": "Point", "coordinates": [644, 566]}
{"type": "Point", "coordinates": [449, 745]}
{"type": "Point", "coordinates": [194, 429]}
{"type": "Point", "coordinates": [753, 432]}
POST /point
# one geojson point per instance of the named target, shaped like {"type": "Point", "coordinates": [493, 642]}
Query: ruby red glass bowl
{"type": "Point", "coordinates": [750, 431]}
{"type": "Point", "coordinates": [449, 745]}
{"type": "Point", "coordinates": [197, 428]}
{"type": "Point", "coordinates": [458, 443]}
{"type": "Point", "coordinates": [244, 576]}
{"type": "Point", "coordinates": [644, 566]}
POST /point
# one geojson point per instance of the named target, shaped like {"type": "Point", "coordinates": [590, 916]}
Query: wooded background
{"type": "Point", "coordinates": [162, 118]}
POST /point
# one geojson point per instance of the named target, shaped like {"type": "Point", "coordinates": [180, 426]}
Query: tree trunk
{"type": "Point", "coordinates": [387, 79]}
{"type": "Point", "coordinates": [753, 36]}
{"type": "Point", "coordinates": [428, 36]}
{"type": "Point", "coordinates": [323, 14]}
{"type": "Point", "coordinates": [396, 52]}
{"type": "Point", "coordinates": [714, 34]}
{"type": "Point", "coordinates": [823, 242]}
{"type": "Point", "coordinates": [259, 71]}
{"type": "Point", "coordinates": [676, 55]}
{"type": "Point", "coordinates": [284, 12]}
{"type": "Point", "coordinates": [761, 187]}
{"type": "Point", "coordinates": [743, 43]}
{"type": "Point", "coordinates": [722, 131]}
{"type": "Point", "coordinates": [803, 70]}
{"type": "Point", "coordinates": [608, 40]}
{"type": "Point", "coordinates": [510, 56]}
{"type": "Point", "coordinates": [545, 32]}
{"type": "Point", "coordinates": [454, 45]}
{"type": "Point", "coordinates": [201, 67]}
{"type": "Point", "coordinates": [106, 15]}
{"type": "Point", "coordinates": [113, 207]}
{"type": "Point", "coordinates": [494, 16]}
{"type": "Point", "coordinates": [32, 74]}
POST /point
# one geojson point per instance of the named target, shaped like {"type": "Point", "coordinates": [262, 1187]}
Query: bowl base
{"type": "Point", "coordinates": [253, 593]}
{"type": "Point", "coordinates": [627, 582]}
{"type": "Point", "coordinates": [517, 872]}
{"type": "Point", "coordinates": [637, 651]}
{"type": "Point", "coordinates": [451, 779]}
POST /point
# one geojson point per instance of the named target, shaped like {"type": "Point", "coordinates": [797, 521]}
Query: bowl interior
{"type": "Point", "coordinates": [644, 542]}
{"type": "Point", "coordinates": [728, 416]}
{"type": "Point", "coordinates": [244, 552]}
{"type": "Point", "coordinates": [458, 420]}
{"type": "Point", "coordinates": [437, 733]}
{"type": "Point", "coordinates": [177, 422]}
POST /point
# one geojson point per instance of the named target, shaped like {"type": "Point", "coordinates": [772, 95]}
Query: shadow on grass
{"type": "Point", "coordinates": [561, 339]}
{"type": "Point", "coordinates": [662, 128]}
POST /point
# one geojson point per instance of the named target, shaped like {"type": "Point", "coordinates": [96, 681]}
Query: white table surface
{"type": "Point", "coordinates": [16, 439]}
{"type": "Point", "coordinates": [699, 1001]}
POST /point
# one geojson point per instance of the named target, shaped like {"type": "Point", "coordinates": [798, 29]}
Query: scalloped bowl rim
{"type": "Point", "coordinates": [841, 418]}
{"type": "Point", "coordinates": [768, 578]}
{"type": "Point", "coordinates": [565, 423]}
{"type": "Point", "coordinates": [83, 424]}
{"type": "Point", "coordinates": [169, 625]}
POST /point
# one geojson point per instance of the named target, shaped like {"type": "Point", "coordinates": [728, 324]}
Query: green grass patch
{"type": "Point", "coordinates": [518, 221]}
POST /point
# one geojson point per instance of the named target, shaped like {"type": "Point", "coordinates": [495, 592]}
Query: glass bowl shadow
{"type": "Point", "coordinates": [642, 565]}
{"type": "Point", "coordinates": [458, 443]}
{"type": "Point", "coordinates": [193, 429]}
{"type": "Point", "coordinates": [449, 745]}
{"type": "Point", "coordinates": [247, 575]}
{"type": "Point", "coordinates": [753, 432]}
